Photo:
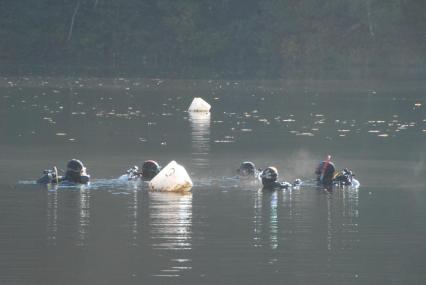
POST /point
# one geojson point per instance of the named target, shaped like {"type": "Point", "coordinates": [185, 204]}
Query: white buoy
{"type": "Point", "coordinates": [199, 105]}
{"type": "Point", "coordinates": [172, 178]}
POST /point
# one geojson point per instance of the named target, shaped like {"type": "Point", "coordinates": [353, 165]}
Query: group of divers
{"type": "Point", "coordinates": [326, 175]}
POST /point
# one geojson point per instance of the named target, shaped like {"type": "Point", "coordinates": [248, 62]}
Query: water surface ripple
{"type": "Point", "coordinates": [226, 231]}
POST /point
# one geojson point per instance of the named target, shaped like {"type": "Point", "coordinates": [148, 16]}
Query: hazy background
{"type": "Point", "coordinates": [214, 39]}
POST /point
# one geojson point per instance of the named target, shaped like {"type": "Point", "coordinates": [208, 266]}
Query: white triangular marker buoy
{"type": "Point", "coordinates": [172, 178]}
{"type": "Point", "coordinates": [199, 105]}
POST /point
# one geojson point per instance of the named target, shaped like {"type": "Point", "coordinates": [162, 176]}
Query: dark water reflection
{"type": "Point", "coordinates": [225, 231]}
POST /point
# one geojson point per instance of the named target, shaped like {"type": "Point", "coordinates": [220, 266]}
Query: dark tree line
{"type": "Point", "coordinates": [212, 38]}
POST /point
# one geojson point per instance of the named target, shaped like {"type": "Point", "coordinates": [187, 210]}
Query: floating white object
{"type": "Point", "coordinates": [355, 183]}
{"type": "Point", "coordinates": [199, 105]}
{"type": "Point", "coordinates": [172, 178]}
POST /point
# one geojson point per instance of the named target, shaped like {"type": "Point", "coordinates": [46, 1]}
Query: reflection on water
{"type": "Point", "coordinates": [342, 218]}
{"type": "Point", "coordinates": [84, 223]}
{"type": "Point", "coordinates": [266, 221]}
{"type": "Point", "coordinates": [273, 220]}
{"type": "Point", "coordinates": [257, 219]}
{"type": "Point", "coordinates": [304, 236]}
{"type": "Point", "coordinates": [279, 215]}
{"type": "Point", "coordinates": [200, 138]}
{"type": "Point", "coordinates": [350, 200]}
{"type": "Point", "coordinates": [329, 222]}
{"type": "Point", "coordinates": [133, 216]}
{"type": "Point", "coordinates": [52, 216]}
{"type": "Point", "coordinates": [171, 220]}
{"type": "Point", "coordinates": [56, 197]}
{"type": "Point", "coordinates": [171, 228]}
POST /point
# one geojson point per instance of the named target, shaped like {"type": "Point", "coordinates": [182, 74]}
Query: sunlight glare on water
{"type": "Point", "coordinates": [226, 231]}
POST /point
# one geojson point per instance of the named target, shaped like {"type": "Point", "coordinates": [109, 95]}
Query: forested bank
{"type": "Point", "coordinates": [214, 38]}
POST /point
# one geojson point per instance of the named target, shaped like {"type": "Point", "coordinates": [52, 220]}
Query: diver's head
{"type": "Point", "coordinates": [325, 172]}
{"type": "Point", "coordinates": [246, 169]}
{"type": "Point", "coordinates": [150, 168]}
{"type": "Point", "coordinates": [76, 172]}
{"type": "Point", "coordinates": [76, 166]}
{"type": "Point", "coordinates": [269, 175]}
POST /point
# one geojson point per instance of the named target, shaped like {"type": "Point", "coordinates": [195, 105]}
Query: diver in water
{"type": "Point", "coordinates": [325, 172]}
{"type": "Point", "coordinates": [345, 178]}
{"type": "Point", "coordinates": [75, 173]}
{"type": "Point", "coordinates": [247, 170]}
{"type": "Point", "coordinates": [150, 169]}
{"type": "Point", "coordinates": [269, 178]}
{"type": "Point", "coordinates": [328, 176]}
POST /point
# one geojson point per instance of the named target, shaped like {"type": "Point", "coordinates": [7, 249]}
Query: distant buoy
{"type": "Point", "coordinates": [172, 178]}
{"type": "Point", "coordinates": [199, 105]}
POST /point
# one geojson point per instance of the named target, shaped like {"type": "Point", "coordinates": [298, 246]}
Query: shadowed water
{"type": "Point", "coordinates": [225, 231]}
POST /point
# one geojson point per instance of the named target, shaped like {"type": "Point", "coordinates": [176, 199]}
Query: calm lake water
{"type": "Point", "coordinates": [225, 231]}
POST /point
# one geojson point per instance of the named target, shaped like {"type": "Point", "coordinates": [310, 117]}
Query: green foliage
{"type": "Point", "coordinates": [180, 38]}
